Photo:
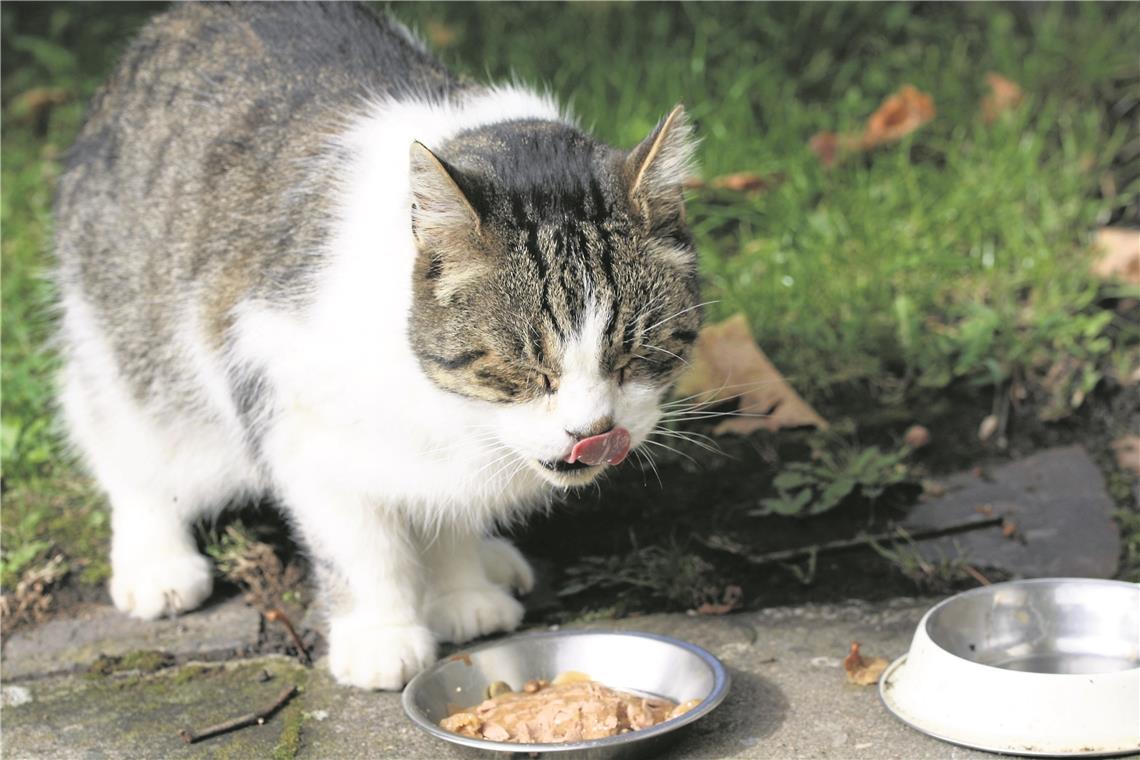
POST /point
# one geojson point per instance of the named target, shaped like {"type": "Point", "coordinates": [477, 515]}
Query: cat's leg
{"type": "Point", "coordinates": [158, 484]}
{"type": "Point", "coordinates": [370, 582]}
{"type": "Point", "coordinates": [505, 565]}
{"type": "Point", "coordinates": [462, 602]}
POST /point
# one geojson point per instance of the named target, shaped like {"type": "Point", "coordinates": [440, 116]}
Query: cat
{"type": "Point", "coordinates": [300, 260]}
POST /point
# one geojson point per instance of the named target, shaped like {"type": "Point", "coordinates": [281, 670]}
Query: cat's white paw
{"type": "Point", "coordinates": [153, 587]}
{"type": "Point", "coordinates": [372, 655]}
{"type": "Point", "coordinates": [505, 565]}
{"type": "Point", "coordinates": [465, 614]}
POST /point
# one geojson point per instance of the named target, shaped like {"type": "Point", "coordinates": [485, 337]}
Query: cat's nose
{"type": "Point", "coordinates": [599, 426]}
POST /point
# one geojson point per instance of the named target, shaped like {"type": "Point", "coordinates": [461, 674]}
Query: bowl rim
{"type": "Point", "coordinates": [928, 616]}
{"type": "Point", "coordinates": [721, 683]}
{"type": "Point", "coordinates": [915, 721]}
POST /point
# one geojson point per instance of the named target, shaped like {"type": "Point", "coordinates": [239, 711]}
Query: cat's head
{"type": "Point", "coordinates": [556, 282]}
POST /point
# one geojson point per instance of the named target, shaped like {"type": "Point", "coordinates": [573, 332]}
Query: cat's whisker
{"type": "Point", "coordinates": [670, 448]}
{"type": "Point", "coordinates": [713, 395]}
{"type": "Point", "coordinates": [692, 417]}
{"type": "Point", "coordinates": [679, 313]}
{"type": "Point", "coordinates": [493, 462]}
{"type": "Point", "coordinates": [681, 437]}
{"type": "Point", "coordinates": [645, 456]}
{"type": "Point", "coordinates": [665, 351]}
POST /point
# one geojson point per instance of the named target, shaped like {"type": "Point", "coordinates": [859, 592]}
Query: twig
{"type": "Point", "coordinates": [976, 574]}
{"type": "Point", "coordinates": [832, 547]}
{"type": "Point", "coordinates": [277, 615]}
{"type": "Point", "coordinates": [257, 718]}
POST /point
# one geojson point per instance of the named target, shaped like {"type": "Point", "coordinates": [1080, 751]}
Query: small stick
{"type": "Point", "coordinates": [832, 547]}
{"type": "Point", "coordinates": [278, 615]}
{"type": "Point", "coordinates": [257, 718]}
{"type": "Point", "coordinates": [976, 574]}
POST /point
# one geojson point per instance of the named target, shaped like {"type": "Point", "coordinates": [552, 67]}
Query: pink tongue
{"type": "Point", "coordinates": [608, 447]}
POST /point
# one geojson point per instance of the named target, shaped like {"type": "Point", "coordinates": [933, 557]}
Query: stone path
{"type": "Point", "coordinates": [789, 697]}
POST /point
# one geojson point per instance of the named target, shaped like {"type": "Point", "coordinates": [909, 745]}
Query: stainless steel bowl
{"type": "Point", "coordinates": [1037, 667]}
{"type": "Point", "coordinates": [638, 662]}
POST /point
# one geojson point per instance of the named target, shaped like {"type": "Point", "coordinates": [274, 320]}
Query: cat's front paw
{"type": "Point", "coordinates": [153, 587]}
{"type": "Point", "coordinates": [465, 614]}
{"type": "Point", "coordinates": [505, 565]}
{"type": "Point", "coordinates": [372, 655]}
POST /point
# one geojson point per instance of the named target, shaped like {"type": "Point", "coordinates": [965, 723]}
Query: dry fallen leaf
{"type": "Point", "coordinates": [741, 182]}
{"type": "Point", "coordinates": [861, 670]}
{"type": "Point", "coordinates": [1120, 255]}
{"type": "Point", "coordinates": [1127, 450]}
{"type": "Point", "coordinates": [441, 35]}
{"type": "Point", "coordinates": [916, 436]}
{"type": "Point", "coordinates": [1005, 95]}
{"type": "Point", "coordinates": [988, 427]}
{"type": "Point", "coordinates": [733, 596]}
{"type": "Point", "coordinates": [932, 489]}
{"type": "Point", "coordinates": [1008, 528]}
{"type": "Point", "coordinates": [825, 145]}
{"type": "Point", "coordinates": [898, 116]}
{"type": "Point", "coordinates": [727, 364]}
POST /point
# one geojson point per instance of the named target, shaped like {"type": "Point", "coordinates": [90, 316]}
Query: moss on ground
{"type": "Point", "coordinates": [140, 713]}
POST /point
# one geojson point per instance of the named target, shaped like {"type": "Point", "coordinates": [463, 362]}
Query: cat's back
{"type": "Point", "coordinates": [196, 179]}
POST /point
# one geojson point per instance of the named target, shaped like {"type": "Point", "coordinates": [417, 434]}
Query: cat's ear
{"type": "Point", "coordinates": [656, 169]}
{"type": "Point", "coordinates": [445, 225]}
{"type": "Point", "coordinates": [438, 203]}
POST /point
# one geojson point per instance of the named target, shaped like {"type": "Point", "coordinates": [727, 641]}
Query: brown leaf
{"type": "Point", "coordinates": [830, 147]}
{"type": "Point", "coordinates": [932, 489]}
{"type": "Point", "coordinates": [741, 182]}
{"type": "Point", "coordinates": [898, 116]}
{"type": "Point", "coordinates": [1127, 451]}
{"type": "Point", "coordinates": [1008, 528]}
{"type": "Point", "coordinates": [727, 364]}
{"type": "Point", "coordinates": [440, 34]}
{"type": "Point", "coordinates": [1120, 257]}
{"type": "Point", "coordinates": [988, 427]}
{"type": "Point", "coordinates": [826, 146]}
{"type": "Point", "coordinates": [1005, 95]}
{"type": "Point", "coordinates": [916, 436]}
{"type": "Point", "coordinates": [861, 670]}
{"type": "Point", "coordinates": [733, 596]}
{"type": "Point", "coordinates": [738, 182]}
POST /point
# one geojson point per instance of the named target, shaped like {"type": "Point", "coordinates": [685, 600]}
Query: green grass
{"type": "Point", "coordinates": [956, 256]}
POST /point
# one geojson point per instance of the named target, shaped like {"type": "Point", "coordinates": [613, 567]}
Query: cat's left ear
{"type": "Point", "coordinates": [656, 169]}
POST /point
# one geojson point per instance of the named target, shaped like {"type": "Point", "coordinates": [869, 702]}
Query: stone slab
{"type": "Point", "coordinates": [138, 717]}
{"type": "Point", "coordinates": [229, 627]}
{"type": "Point", "coordinates": [789, 696]}
{"type": "Point", "coordinates": [1058, 501]}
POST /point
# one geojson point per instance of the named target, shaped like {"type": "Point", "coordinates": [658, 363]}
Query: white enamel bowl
{"type": "Point", "coordinates": [1037, 667]}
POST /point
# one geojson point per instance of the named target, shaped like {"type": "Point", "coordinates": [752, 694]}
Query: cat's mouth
{"type": "Point", "coordinates": [564, 466]}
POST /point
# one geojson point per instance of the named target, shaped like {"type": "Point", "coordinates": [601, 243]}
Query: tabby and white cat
{"type": "Point", "coordinates": [299, 259]}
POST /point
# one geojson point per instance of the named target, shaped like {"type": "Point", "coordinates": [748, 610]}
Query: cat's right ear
{"type": "Point", "coordinates": [656, 169]}
{"type": "Point", "coordinates": [439, 206]}
{"type": "Point", "coordinates": [445, 226]}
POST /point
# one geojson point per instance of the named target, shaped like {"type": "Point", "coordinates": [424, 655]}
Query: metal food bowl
{"type": "Point", "coordinates": [1036, 667]}
{"type": "Point", "coordinates": [638, 662]}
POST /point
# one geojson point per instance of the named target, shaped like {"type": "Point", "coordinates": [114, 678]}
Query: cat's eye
{"type": "Point", "coordinates": [623, 372]}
